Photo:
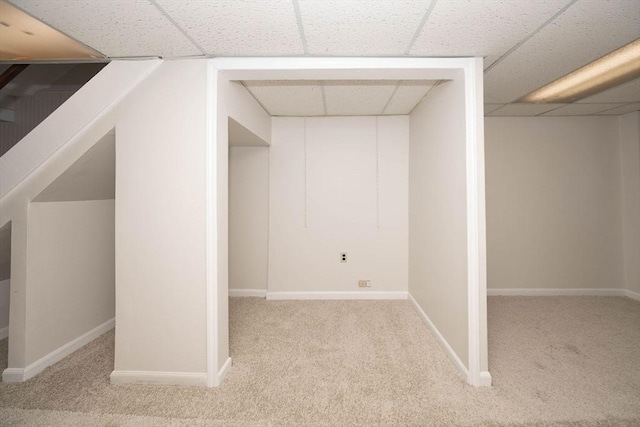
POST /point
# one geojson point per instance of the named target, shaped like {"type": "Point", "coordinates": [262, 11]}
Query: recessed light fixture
{"type": "Point", "coordinates": [617, 67]}
{"type": "Point", "coordinates": [24, 38]}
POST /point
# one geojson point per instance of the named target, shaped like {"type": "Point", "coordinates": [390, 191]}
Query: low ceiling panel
{"type": "Point", "coordinates": [512, 110]}
{"type": "Point", "coordinates": [239, 28]}
{"type": "Point", "coordinates": [627, 108]}
{"type": "Point", "coordinates": [490, 27]}
{"type": "Point", "coordinates": [288, 98]}
{"type": "Point", "coordinates": [584, 32]}
{"type": "Point", "coordinates": [116, 28]}
{"type": "Point", "coordinates": [361, 27]}
{"type": "Point", "coordinates": [407, 96]}
{"type": "Point", "coordinates": [581, 109]}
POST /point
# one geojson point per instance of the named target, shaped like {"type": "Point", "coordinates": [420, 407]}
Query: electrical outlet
{"type": "Point", "coordinates": [343, 257]}
{"type": "Point", "coordinates": [364, 283]}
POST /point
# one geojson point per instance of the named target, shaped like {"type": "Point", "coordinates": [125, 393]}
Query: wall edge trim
{"type": "Point", "coordinates": [552, 292]}
{"type": "Point", "coordinates": [443, 342]}
{"type": "Point", "coordinates": [58, 354]}
{"type": "Point", "coordinates": [158, 378]}
{"type": "Point", "coordinates": [261, 293]}
{"type": "Point", "coordinates": [322, 295]}
{"type": "Point", "coordinates": [222, 373]}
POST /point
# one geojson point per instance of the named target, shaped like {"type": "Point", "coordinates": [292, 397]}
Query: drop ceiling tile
{"type": "Point", "coordinates": [584, 32]}
{"type": "Point", "coordinates": [115, 28]}
{"type": "Point", "coordinates": [581, 109]}
{"type": "Point", "coordinates": [357, 98]}
{"type": "Point", "coordinates": [628, 108]}
{"type": "Point", "coordinates": [407, 96]}
{"type": "Point", "coordinates": [523, 110]}
{"type": "Point", "coordinates": [491, 27]}
{"type": "Point", "coordinates": [239, 27]}
{"type": "Point", "coordinates": [361, 27]}
{"type": "Point", "coordinates": [627, 92]}
{"type": "Point", "coordinates": [288, 98]}
{"type": "Point", "coordinates": [489, 108]}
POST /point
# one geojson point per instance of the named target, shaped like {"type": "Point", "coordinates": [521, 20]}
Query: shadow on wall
{"type": "Point", "coordinates": [5, 276]}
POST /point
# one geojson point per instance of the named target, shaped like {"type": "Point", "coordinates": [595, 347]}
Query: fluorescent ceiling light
{"type": "Point", "coordinates": [617, 67]}
{"type": "Point", "coordinates": [24, 38]}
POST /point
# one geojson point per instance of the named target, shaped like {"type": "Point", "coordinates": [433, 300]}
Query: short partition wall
{"type": "Point", "coordinates": [374, 222]}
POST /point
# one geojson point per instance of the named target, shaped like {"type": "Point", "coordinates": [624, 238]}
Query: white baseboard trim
{"type": "Point", "coordinates": [443, 342]}
{"type": "Point", "coordinates": [551, 292]}
{"type": "Point", "coordinates": [13, 375]}
{"type": "Point", "coordinates": [159, 378]}
{"type": "Point", "coordinates": [261, 293]}
{"type": "Point", "coordinates": [485, 379]}
{"type": "Point", "coordinates": [23, 374]}
{"type": "Point", "coordinates": [364, 295]}
{"type": "Point", "coordinates": [222, 373]}
{"type": "Point", "coordinates": [4, 333]}
{"type": "Point", "coordinates": [632, 295]}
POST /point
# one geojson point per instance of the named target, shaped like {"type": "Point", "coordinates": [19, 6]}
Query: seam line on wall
{"type": "Point", "coordinates": [306, 222]}
{"type": "Point", "coordinates": [377, 175]}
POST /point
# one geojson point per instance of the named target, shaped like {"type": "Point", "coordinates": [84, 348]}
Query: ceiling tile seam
{"type": "Point", "coordinates": [530, 36]}
{"type": "Point", "coordinates": [613, 108]}
{"type": "Point", "coordinates": [324, 99]}
{"type": "Point", "coordinates": [553, 109]}
{"type": "Point", "coordinates": [393, 93]}
{"type": "Point", "coordinates": [61, 32]}
{"type": "Point", "coordinates": [303, 37]}
{"type": "Point", "coordinates": [178, 27]}
{"type": "Point", "coordinates": [426, 94]}
{"type": "Point", "coordinates": [255, 97]}
{"type": "Point", "coordinates": [421, 25]}
{"type": "Point", "coordinates": [498, 109]}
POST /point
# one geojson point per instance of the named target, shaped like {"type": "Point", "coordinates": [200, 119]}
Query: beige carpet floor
{"type": "Point", "coordinates": [565, 361]}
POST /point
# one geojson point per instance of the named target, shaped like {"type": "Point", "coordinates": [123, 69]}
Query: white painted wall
{"type": "Point", "coordinates": [71, 278]}
{"type": "Point", "coordinates": [553, 202]}
{"type": "Point", "coordinates": [248, 217]}
{"type": "Point", "coordinates": [630, 187]}
{"type": "Point", "coordinates": [160, 224]}
{"type": "Point", "coordinates": [338, 189]}
{"type": "Point", "coordinates": [438, 213]}
{"type": "Point", "coordinates": [228, 100]}
{"type": "Point", "coordinates": [5, 289]}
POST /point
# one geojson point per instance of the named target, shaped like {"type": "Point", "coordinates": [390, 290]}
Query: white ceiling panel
{"type": "Point", "coordinates": [627, 92]}
{"type": "Point", "coordinates": [628, 108]}
{"type": "Point", "coordinates": [486, 28]}
{"type": "Point", "coordinates": [116, 28]}
{"type": "Point", "coordinates": [584, 32]}
{"type": "Point", "coordinates": [581, 109]}
{"type": "Point", "coordinates": [407, 96]}
{"type": "Point", "coordinates": [523, 110]}
{"type": "Point", "coordinates": [357, 98]}
{"type": "Point", "coordinates": [239, 27]}
{"type": "Point", "coordinates": [361, 27]}
{"type": "Point", "coordinates": [288, 98]}
{"type": "Point", "coordinates": [489, 108]}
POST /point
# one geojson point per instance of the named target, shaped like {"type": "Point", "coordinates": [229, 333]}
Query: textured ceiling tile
{"type": "Point", "coordinates": [407, 96]}
{"type": "Point", "coordinates": [523, 110]}
{"type": "Point", "coordinates": [635, 106]}
{"type": "Point", "coordinates": [583, 33]}
{"type": "Point", "coordinates": [239, 27]}
{"type": "Point", "coordinates": [489, 108]}
{"type": "Point", "coordinates": [361, 27]}
{"type": "Point", "coordinates": [486, 28]}
{"type": "Point", "coordinates": [357, 98]}
{"type": "Point", "coordinates": [628, 92]}
{"type": "Point", "coordinates": [581, 109]}
{"type": "Point", "coordinates": [115, 28]}
{"type": "Point", "coordinates": [288, 98]}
